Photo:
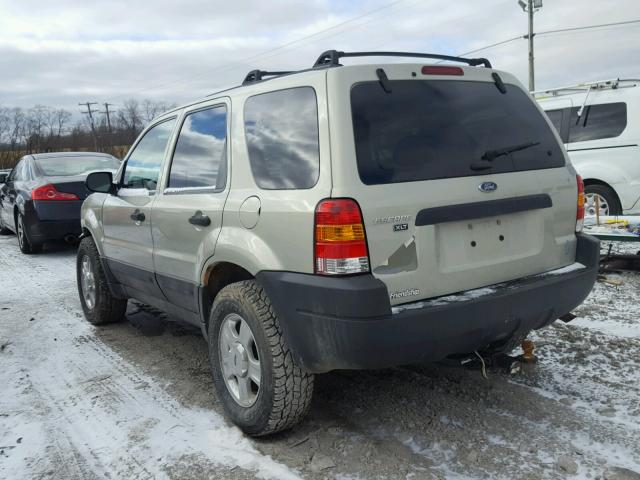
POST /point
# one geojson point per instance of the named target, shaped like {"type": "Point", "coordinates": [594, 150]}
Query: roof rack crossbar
{"type": "Point", "coordinates": [587, 86]}
{"type": "Point", "coordinates": [259, 75]}
{"type": "Point", "coordinates": [331, 58]}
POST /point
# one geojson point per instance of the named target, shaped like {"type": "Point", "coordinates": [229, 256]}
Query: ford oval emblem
{"type": "Point", "coordinates": [488, 187]}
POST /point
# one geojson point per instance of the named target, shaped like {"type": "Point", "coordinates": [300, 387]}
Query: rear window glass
{"type": "Point", "coordinates": [430, 129]}
{"type": "Point", "coordinates": [68, 166]}
{"type": "Point", "coordinates": [556, 118]}
{"type": "Point", "coordinates": [598, 121]}
{"type": "Point", "coordinates": [281, 129]}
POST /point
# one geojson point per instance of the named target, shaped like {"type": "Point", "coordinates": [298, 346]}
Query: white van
{"type": "Point", "coordinates": [599, 124]}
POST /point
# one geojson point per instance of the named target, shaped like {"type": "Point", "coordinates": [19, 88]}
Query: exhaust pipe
{"type": "Point", "coordinates": [70, 239]}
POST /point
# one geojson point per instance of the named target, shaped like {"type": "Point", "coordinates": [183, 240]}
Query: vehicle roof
{"type": "Point", "coordinates": [304, 76]}
{"type": "Point", "coordinates": [37, 156]}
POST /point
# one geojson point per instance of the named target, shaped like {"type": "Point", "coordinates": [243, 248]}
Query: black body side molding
{"type": "Point", "coordinates": [490, 208]}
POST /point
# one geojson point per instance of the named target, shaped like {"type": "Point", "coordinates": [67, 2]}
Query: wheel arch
{"type": "Point", "coordinates": [215, 277]}
{"type": "Point", "coordinates": [596, 181]}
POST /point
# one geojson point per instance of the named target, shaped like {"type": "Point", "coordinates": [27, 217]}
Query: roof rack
{"type": "Point", "coordinates": [259, 75]}
{"type": "Point", "coordinates": [588, 86]}
{"type": "Point", "coordinates": [331, 58]}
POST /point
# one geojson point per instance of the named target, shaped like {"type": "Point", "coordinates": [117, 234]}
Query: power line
{"type": "Point", "coordinates": [551, 32]}
{"type": "Point", "coordinates": [280, 47]}
{"type": "Point", "coordinates": [587, 27]}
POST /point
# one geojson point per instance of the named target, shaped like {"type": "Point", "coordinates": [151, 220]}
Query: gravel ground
{"type": "Point", "coordinates": [135, 400]}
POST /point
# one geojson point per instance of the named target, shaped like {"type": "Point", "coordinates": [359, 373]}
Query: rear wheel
{"type": "Point", "coordinates": [27, 246]}
{"type": "Point", "coordinates": [262, 389]}
{"type": "Point", "coordinates": [603, 196]}
{"type": "Point", "coordinates": [99, 305]}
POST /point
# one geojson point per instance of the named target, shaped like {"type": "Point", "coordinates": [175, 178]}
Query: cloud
{"type": "Point", "coordinates": [61, 53]}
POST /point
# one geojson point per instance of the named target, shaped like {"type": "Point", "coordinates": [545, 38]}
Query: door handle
{"type": "Point", "coordinates": [137, 216]}
{"type": "Point", "coordinates": [200, 219]}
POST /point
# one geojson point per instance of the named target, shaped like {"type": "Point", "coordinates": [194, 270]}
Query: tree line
{"type": "Point", "coordinates": [49, 129]}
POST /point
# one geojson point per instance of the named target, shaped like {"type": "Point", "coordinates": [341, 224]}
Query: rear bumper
{"type": "Point", "coordinates": [347, 323]}
{"type": "Point", "coordinates": [52, 220]}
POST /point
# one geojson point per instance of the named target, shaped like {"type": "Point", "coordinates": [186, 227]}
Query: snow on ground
{"type": "Point", "coordinates": [135, 400]}
{"type": "Point", "coordinates": [70, 404]}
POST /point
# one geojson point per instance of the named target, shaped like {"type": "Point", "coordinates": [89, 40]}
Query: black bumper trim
{"type": "Point", "coordinates": [490, 208]}
{"type": "Point", "coordinates": [346, 323]}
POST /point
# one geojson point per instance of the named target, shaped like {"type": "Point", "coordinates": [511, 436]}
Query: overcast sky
{"type": "Point", "coordinates": [68, 51]}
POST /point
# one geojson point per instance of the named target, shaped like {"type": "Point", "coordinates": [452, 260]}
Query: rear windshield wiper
{"type": "Point", "coordinates": [491, 155]}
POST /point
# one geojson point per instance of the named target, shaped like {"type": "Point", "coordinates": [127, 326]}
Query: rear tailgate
{"type": "Point", "coordinates": [434, 225]}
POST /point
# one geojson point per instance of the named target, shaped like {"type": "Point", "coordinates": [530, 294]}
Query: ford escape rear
{"type": "Point", "coordinates": [342, 217]}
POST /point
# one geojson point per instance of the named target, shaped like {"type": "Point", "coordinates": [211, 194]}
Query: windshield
{"type": "Point", "coordinates": [432, 129]}
{"type": "Point", "coordinates": [69, 166]}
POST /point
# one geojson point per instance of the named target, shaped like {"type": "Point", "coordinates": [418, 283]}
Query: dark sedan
{"type": "Point", "coordinates": [41, 198]}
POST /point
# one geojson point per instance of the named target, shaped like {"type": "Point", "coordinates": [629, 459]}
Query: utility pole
{"type": "Point", "coordinates": [106, 112]}
{"type": "Point", "coordinates": [110, 133]}
{"type": "Point", "coordinates": [90, 113]}
{"type": "Point", "coordinates": [531, 7]}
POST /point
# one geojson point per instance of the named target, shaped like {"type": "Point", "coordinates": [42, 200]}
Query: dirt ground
{"type": "Point", "coordinates": [135, 400]}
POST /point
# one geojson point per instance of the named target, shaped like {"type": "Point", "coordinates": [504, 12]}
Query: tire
{"type": "Point", "coordinates": [27, 246]}
{"type": "Point", "coordinates": [606, 193]}
{"type": "Point", "coordinates": [102, 308]}
{"type": "Point", "coordinates": [284, 394]}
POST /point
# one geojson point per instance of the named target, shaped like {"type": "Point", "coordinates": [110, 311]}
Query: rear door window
{"type": "Point", "coordinates": [597, 122]}
{"type": "Point", "coordinates": [281, 130]}
{"type": "Point", "coordinates": [430, 129]}
{"type": "Point", "coordinates": [199, 159]}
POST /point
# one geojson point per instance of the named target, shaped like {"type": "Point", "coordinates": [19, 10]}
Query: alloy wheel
{"type": "Point", "coordinates": [20, 228]}
{"type": "Point", "coordinates": [590, 204]}
{"type": "Point", "coordinates": [239, 360]}
{"type": "Point", "coordinates": [87, 282]}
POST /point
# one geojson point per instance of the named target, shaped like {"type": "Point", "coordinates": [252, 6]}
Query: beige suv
{"type": "Point", "coordinates": [341, 217]}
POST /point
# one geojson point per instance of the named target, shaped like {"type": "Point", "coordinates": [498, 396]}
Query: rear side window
{"type": "Point", "coordinates": [199, 159]}
{"type": "Point", "coordinates": [281, 130]}
{"type": "Point", "coordinates": [432, 129]}
{"type": "Point", "coordinates": [143, 166]}
{"type": "Point", "coordinates": [597, 122]}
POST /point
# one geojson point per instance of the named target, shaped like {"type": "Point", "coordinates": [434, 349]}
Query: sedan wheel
{"type": "Point", "coordinates": [20, 228]}
{"type": "Point", "coordinates": [26, 245]}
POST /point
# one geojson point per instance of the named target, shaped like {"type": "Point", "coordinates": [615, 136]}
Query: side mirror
{"type": "Point", "coordinates": [101, 182]}
{"type": "Point", "coordinates": [3, 177]}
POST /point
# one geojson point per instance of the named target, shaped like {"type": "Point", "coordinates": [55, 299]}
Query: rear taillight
{"type": "Point", "coordinates": [442, 70]}
{"type": "Point", "coordinates": [49, 192]}
{"type": "Point", "coordinates": [340, 240]}
{"type": "Point", "coordinates": [581, 200]}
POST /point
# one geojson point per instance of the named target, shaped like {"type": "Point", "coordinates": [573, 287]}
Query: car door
{"type": "Point", "coordinates": [126, 216]}
{"type": "Point", "coordinates": [187, 214]}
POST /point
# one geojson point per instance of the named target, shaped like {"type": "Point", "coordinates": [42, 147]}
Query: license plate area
{"type": "Point", "coordinates": [470, 244]}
